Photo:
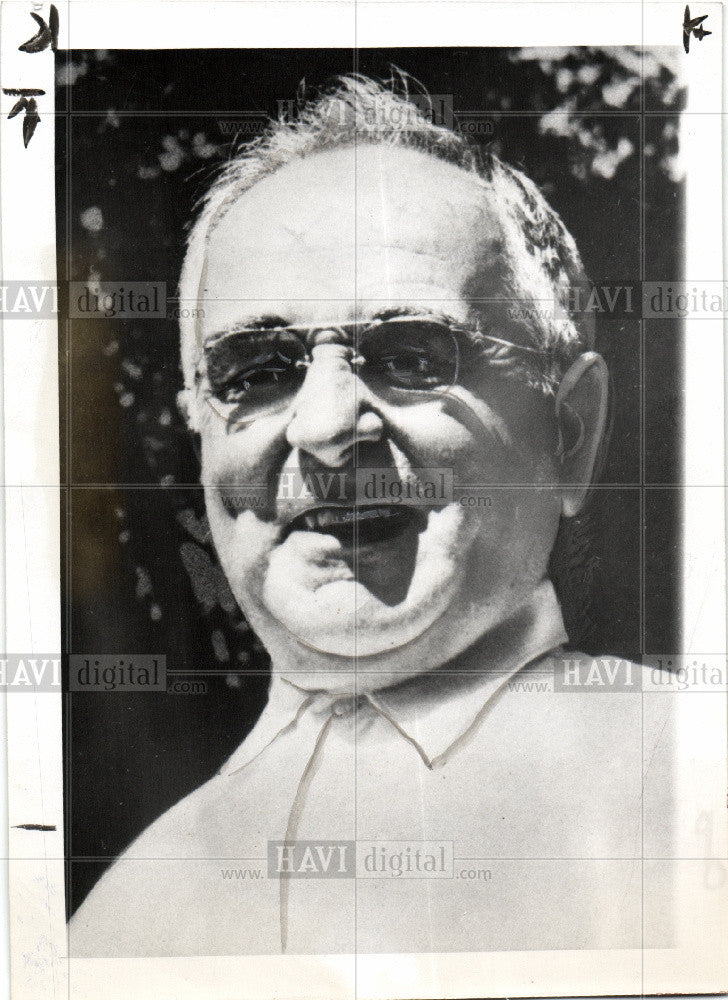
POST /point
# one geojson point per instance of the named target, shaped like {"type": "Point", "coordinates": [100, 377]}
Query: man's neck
{"type": "Point", "coordinates": [533, 628]}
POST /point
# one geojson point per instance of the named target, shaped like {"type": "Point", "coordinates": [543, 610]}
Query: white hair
{"type": "Point", "coordinates": [543, 260]}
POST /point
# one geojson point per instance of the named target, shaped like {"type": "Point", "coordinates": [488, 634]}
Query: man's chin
{"type": "Point", "coordinates": [367, 603]}
{"type": "Point", "coordinates": [343, 618]}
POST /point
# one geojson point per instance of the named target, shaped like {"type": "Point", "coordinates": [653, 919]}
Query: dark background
{"type": "Point", "coordinates": [139, 134]}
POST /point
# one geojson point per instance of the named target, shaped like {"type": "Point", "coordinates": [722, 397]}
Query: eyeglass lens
{"type": "Point", "coordinates": [258, 372]}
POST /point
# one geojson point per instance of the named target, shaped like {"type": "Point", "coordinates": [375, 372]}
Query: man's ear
{"type": "Point", "coordinates": [581, 413]}
{"type": "Point", "coordinates": [186, 408]}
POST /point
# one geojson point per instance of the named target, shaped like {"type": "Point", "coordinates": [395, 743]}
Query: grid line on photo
{"type": "Point", "coordinates": [356, 526]}
{"type": "Point", "coordinates": [264, 118]}
{"type": "Point", "coordinates": [199, 484]}
{"type": "Point", "coordinates": [67, 616]}
{"type": "Point", "coordinates": [104, 859]}
{"type": "Point", "coordinates": [642, 555]}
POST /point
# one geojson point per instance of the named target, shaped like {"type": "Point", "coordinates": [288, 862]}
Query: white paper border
{"type": "Point", "coordinates": [32, 528]}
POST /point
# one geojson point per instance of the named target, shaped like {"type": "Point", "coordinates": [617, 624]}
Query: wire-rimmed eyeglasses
{"type": "Point", "coordinates": [250, 372]}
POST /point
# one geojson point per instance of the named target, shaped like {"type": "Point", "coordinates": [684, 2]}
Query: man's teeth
{"type": "Point", "coordinates": [319, 520]}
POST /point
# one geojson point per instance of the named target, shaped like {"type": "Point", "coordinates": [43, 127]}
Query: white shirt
{"type": "Point", "coordinates": [529, 801]}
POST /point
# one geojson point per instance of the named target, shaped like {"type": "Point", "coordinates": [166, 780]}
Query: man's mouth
{"type": "Point", "coordinates": [359, 525]}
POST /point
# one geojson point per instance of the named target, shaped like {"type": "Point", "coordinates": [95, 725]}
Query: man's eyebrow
{"type": "Point", "coordinates": [266, 322]}
{"type": "Point", "coordinates": [271, 322]}
{"type": "Point", "coordinates": [473, 330]}
{"type": "Point", "coordinates": [392, 312]}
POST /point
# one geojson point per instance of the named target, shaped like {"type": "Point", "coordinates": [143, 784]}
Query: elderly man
{"type": "Point", "coordinates": [356, 273]}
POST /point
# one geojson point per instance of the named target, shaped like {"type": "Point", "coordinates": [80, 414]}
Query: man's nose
{"type": "Point", "coordinates": [332, 410]}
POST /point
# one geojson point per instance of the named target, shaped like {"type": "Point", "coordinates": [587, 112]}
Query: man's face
{"type": "Point", "coordinates": [352, 234]}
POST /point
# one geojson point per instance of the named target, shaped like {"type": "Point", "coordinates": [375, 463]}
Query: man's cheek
{"type": "Point", "coordinates": [467, 437]}
{"type": "Point", "coordinates": [498, 516]}
{"type": "Point", "coordinates": [236, 455]}
{"type": "Point", "coordinates": [243, 544]}
{"type": "Point", "coordinates": [428, 434]}
{"type": "Point", "coordinates": [226, 471]}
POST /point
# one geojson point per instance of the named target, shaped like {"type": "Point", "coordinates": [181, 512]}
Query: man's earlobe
{"type": "Point", "coordinates": [185, 407]}
{"type": "Point", "coordinates": [581, 413]}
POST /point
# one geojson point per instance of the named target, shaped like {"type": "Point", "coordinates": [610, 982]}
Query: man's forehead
{"type": "Point", "coordinates": [357, 194]}
{"type": "Point", "coordinates": [371, 222]}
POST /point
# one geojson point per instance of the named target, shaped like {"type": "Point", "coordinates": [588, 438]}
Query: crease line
{"type": "Point", "coordinates": [290, 725]}
{"type": "Point", "coordinates": [378, 707]}
{"type": "Point", "coordinates": [293, 820]}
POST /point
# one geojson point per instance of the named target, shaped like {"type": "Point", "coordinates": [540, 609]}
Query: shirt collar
{"type": "Point", "coordinates": [437, 710]}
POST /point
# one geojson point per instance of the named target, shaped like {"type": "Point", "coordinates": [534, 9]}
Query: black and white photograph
{"type": "Point", "coordinates": [387, 420]}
